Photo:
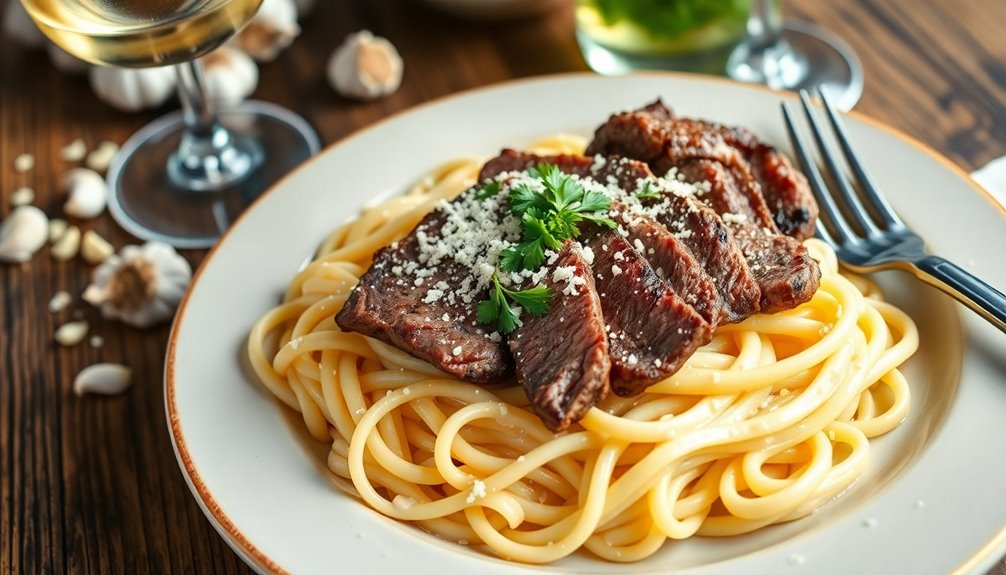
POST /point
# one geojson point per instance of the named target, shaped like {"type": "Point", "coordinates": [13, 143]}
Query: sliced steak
{"type": "Point", "coordinates": [652, 134]}
{"type": "Point", "coordinates": [696, 227]}
{"type": "Point", "coordinates": [562, 358]}
{"type": "Point", "coordinates": [728, 191]}
{"type": "Point", "coordinates": [651, 331]}
{"type": "Point", "coordinates": [713, 246]}
{"type": "Point", "coordinates": [785, 272]}
{"type": "Point", "coordinates": [675, 264]}
{"type": "Point", "coordinates": [388, 307]}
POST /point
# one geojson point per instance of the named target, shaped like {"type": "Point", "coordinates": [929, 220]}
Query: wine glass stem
{"type": "Point", "coordinates": [209, 157]}
{"type": "Point", "coordinates": [764, 26]}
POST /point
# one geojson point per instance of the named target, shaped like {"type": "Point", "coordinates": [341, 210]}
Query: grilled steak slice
{"type": "Point", "coordinates": [697, 228]}
{"type": "Point", "coordinates": [786, 273]}
{"type": "Point", "coordinates": [651, 331]}
{"type": "Point", "coordinates": [674, 263]}
{"type": "Point", "coordinates": [652, 134]}
{"type": "Point", "coordinates": [729, 191]}
{"type": "Point", "coordinates": [386, 306]}
{"type": "Point", "coordinates": [562, 358]}
{"type": "Point", "coordinates": [713, 246]}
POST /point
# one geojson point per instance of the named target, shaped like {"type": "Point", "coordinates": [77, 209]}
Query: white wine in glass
{"type": "Point", "coordinates": [185, 177]}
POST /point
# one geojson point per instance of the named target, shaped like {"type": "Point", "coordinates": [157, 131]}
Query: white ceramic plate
{"type": "Point", "coordinates": [932, 501]}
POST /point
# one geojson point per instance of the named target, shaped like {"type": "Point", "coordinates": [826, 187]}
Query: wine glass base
{"type": "Point", "coordinates": [146, 202]}
{"type": "Point", "coordinates": [810, 57]}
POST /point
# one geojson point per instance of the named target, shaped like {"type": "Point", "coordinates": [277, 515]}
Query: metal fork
{"type": "Point", "coordinates": [887, 243]}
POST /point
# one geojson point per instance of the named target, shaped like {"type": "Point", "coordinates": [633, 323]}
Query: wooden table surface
{"type": "Point", "coordinates": [90, 485]}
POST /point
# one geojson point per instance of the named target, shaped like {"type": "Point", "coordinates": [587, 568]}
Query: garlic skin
{"type": "Point", "coordinates": [141, 285]}
{"type": "Point", "coordinates": [103, 379]}
{"type": "Point", "coordinates": [18, 25]}
{"type": "Point", "coordinates": [231, 75]}
{"type": "Point", "coordinates": [273, 28]}
{"type": "Point", "coordinates": [22, 233]}
{"type": "Point", "coordinates": [133, 89]}
{"type": "Point", "coordinates": [88, 193]}
{"type": "Point", "coordinates": [365, 67]}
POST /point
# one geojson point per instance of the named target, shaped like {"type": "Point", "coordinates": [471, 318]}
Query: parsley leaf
{"type": "Point", "coordinates": [498, 310]}
{"type": "Point", "coordinates": [490, 189]}
{"type": "Point", "coordinates": [647, 192]}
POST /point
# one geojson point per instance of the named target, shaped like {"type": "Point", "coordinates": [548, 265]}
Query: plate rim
{"type": "Point", "coordinates": [233, 536]}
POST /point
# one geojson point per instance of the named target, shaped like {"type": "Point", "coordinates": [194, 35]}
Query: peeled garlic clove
{"type": "Point", "coordinates": [22, 197]}
{"type": "Point", "coordinates": [59, 301]}
{"type": "Point", "coordinates": [230, 74]}
{"type": "Point", "coordinates": [74, 152]}
{"type": "Point", "coordinates": [57, 228]}
{"type": "Point", "coordinates": [88, 193]}
{"type": "Point", "coordinates": [103, 378]}
{"type": "Point", "coordinates": [67, 246]}
{"type": "Point", "coordinates": [72, 333]}
{"type": "Point", "coordinates": [273, 28]}
{"type": "Point", "coordinates": [22, 234]}
{"type": "Point", "coordinates": [95, 249]}
{"type": "Point", "coordinates": [133, 89]}
{"type": "Point", "coordinates": [24, 163]}
{"type": "Point", "coordinates": [102, 156]}
{"type": "Point", "coordinates": [365, 67]}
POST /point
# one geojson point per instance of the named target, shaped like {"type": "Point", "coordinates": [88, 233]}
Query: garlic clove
{"type": "Point", "coordinates": [22, 196]}
{"type": "Point", "coordinates": [24, 163]}
{"type": "Point", "coordinates": [273, 28]}
{"type": "Point", "coordinates": [57, 228]}
{"type": "Point", "coordinates": [72, 333]}
{"type": "Point", "coordinates": [67, 246]}
{"type": "Point", "coordinates": [74, 152]}
{"type": "Point", "coordinates": [95, 249]}
{"type": "Point", "coordinates": [230, 74]}
{"type": "Point", "coordinates": [141, 285]}
{"type": "Point", "coordinates": [133, 89]}
{"type": "Point", "coordinates": [103, 378]}
{"type": "Point", "coordinates": [60, 300]}
{"type": "Point", "coordinates": [88, 193]}
{"type": "Point", "coordinates": [365, 67]}
{"type": "Point", "coordinates": [22, 233]}
{"type": "Point", "coordinates": [102, 156]}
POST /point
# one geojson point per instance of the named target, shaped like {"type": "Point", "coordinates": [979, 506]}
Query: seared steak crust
{"type": "Point", "coordinates": [651, 331]}
{"type": "Point", "coordinates": [388, 308]}
{"type": "Point", "coordinates": [562, 358]}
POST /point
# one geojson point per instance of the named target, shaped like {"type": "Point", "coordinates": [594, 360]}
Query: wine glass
{"type": "Point", "coordinates": [795, 56]}
{"type": "Point", "coordinates": [185, 177]}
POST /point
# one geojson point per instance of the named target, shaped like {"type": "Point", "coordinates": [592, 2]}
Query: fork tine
{"type": "Point", "coordinates": [838, 175]}
{"type": "Point", "coordinates": [846, 235]}
{"type": "Point", "coordinates": [883, 208]}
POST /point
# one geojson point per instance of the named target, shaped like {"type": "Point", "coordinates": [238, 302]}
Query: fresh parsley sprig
{"type": "Point", "coordinates": [648, 193]}
{"type": "Point", "coordinates": [550, 216]}
{"type": "Point", "coordinates": [499, 311]}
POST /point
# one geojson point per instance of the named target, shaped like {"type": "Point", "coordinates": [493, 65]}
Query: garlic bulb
{"type": "Point", "coordinates": [64, 62]}
{"type": "Point", "coordinates": [103, 378]}
{"type": "Point", "coordinates": [22, 233]}
{"type": "Point", "coordinates": [231, 75]}
{"type": "Point", "coordinates": [365, 67]}
{"type": "Point", "coordinates": [88, 193]}
{"type": "Point", "coordinates": [141, 286]}
{"type": "Point", "coordinates": [272, 29]}
{"type": "Point", "coordinates": [132, 90]}
{"type": "Point", "coordinates": [19, 26]}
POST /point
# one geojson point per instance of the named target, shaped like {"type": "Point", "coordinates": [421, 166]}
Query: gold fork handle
{"type": "Point", "coordinates": [982, 298]}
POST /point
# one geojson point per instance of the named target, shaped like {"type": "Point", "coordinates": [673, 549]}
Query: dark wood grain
{"type": "Point", "coordinates": [90, 485]}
